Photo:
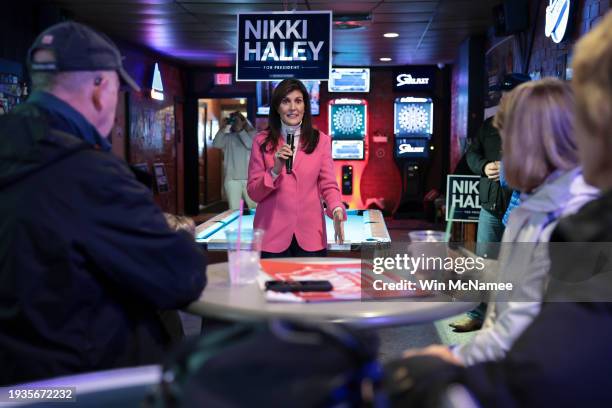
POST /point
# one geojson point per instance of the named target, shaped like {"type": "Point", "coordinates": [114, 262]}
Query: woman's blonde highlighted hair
{"type": "Point", "coordinates": [536, 123]}
{"type": "Point", "coordinates": [593, 79]}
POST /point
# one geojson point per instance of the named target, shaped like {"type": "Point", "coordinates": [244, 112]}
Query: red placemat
{"type": "Point", "coordinates": [346, 279]}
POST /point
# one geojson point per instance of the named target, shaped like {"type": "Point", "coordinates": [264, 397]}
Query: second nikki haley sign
{"type": "Point", "coordinates": [279, 45]}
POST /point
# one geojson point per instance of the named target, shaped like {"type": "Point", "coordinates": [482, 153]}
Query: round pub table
{"type": "Point", "coordinates": [225, 302]}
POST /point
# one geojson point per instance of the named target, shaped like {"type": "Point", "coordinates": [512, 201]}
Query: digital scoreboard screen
{"type": "Point", "coordinates": [349, 80]}
{"type": "Point", "coordinates": [347, 150]}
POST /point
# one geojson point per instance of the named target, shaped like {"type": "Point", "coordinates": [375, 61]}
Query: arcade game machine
{"type": "Point", "coordinates": [413, 129]}
{"type": "Point", "coordinates": [348, 130]}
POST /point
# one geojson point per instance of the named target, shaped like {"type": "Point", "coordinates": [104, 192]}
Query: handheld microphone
{"type": "Point", "coordinates": [289, 162]}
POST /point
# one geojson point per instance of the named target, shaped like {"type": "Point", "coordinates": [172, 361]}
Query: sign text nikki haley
{"type": "Point", "coordinates": [278, 45]}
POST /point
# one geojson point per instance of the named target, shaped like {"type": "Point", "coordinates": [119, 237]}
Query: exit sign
{"type": "Point", "coordinates": [223, 79]}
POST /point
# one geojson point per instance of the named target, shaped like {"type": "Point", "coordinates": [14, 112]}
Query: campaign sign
{"type": "Point", "coordinates": [279, 45]}
{"type": "Point", "coordinates": [462, 198]}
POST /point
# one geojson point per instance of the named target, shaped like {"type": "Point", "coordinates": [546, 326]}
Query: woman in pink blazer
{"type": "Point", "coordinates": [290, 208]}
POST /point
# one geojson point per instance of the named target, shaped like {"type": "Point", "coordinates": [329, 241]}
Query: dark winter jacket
{"type": "Point", "coordinates": [87, 260]}
{"type": "Point", "coordinates": [486, 148]}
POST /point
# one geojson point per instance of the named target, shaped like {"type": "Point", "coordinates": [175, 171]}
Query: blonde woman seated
{"type": "Point", "coordinates": [540, 159]}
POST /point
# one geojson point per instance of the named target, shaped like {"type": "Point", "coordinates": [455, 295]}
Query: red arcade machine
{"type": "Point", "coordinates": [381, 181]}
{"type": "Point", "coordinates": [348, 129]}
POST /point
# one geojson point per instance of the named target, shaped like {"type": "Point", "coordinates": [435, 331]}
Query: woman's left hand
{"type": "Point", "coordinates": [339, 226]}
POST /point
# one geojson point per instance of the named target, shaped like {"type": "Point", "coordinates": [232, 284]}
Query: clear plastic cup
{"type": "Point", "coordinates": [430, 246]}
{"type": "Point", "coordinates": [427, 236]}
{"type": "Point", "coordinates": [243, 255]}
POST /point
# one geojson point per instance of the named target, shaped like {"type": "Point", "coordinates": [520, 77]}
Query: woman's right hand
{"type": "Point", "coordinates": [280, 157]}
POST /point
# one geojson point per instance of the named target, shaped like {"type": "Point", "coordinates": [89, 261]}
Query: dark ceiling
{"type": "Point", "coordinates": [204, 32]}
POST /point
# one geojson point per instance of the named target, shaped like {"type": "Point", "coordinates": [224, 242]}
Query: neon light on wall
{"type": "Point", "coordinates": [557, 18]}
{"type": "Point", "coordinates": [157, 87]}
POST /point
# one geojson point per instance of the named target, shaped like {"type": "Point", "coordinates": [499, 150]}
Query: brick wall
{"type": "Point", "coordinates": [547, 59]}
{"type": "Point", "coordinates": [550, 59]}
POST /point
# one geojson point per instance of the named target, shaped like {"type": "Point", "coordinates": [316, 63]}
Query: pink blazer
{"type": "Point", "coordinates": [291, 204]}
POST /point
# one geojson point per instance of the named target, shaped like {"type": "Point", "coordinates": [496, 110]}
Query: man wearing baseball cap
{"type": "Point", "coordinates": [87, 260]}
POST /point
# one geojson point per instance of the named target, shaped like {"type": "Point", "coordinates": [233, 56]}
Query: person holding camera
{"type": "Point", "coordinates": [235, 138]}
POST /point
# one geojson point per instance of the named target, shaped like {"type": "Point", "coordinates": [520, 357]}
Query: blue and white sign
{"type": "Point", "coordinates": [557, 19]}
{"type": "Point", "coordinates": [462, 198]}
{"type": "Point", "coordinates": [414, 78]}
{"type": "Point", "coordinates": [279, 45]}
{"type": "Point", "coordinates": [411, 148]}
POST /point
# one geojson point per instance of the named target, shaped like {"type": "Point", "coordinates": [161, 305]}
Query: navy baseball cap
{"type": "Point", "coordinates": [77, 47]}
{"type": "Point", "coordinates": [513, 80]}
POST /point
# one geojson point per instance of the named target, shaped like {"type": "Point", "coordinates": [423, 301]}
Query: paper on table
{"type": "Point", "coordinates": [346, 279]}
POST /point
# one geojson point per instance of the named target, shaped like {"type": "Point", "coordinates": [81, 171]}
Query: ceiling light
{"type": "Point", "coordinates": [385, 59]}
{"type": "Point", "coordinates": [390, 35]}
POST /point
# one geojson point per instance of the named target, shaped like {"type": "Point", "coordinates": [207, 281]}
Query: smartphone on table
{"type": "Point", "coordinates": [284, 286]}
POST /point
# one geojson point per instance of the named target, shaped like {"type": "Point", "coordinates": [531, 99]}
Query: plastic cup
{"type": "Point", "coordinates": [243, 255]}
{"type": "Point", "coordinates": [429, 245]}
{"type": "Point", "coordinates": [427, 236]}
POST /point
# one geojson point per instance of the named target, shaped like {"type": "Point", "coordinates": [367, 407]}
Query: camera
{"type": "Point", "coordinates": [232, 119]}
